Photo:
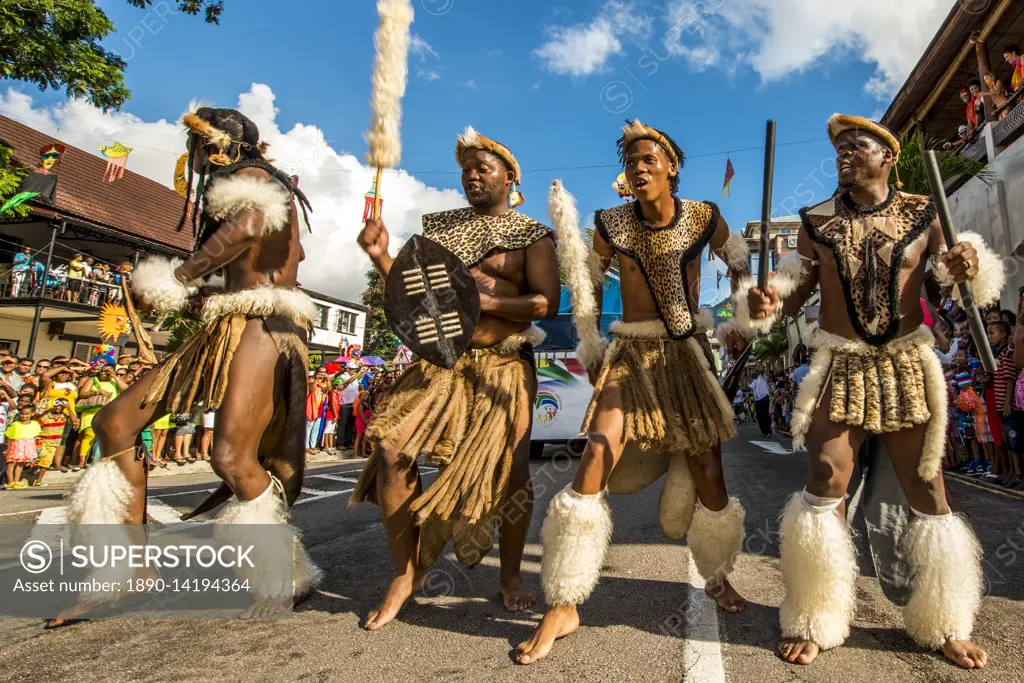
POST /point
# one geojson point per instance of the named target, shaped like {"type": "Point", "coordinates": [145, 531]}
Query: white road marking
{"type": "Point", "coordinates": [185, 493]}
{"type": "Point", "coordinates": [773, 447]}
{"type": "Point", "coordinates": [326, 494]}
{"type": "Point", "coordinates": [334, 477]}
{"type": "Point", "coordinates": [702, 651]}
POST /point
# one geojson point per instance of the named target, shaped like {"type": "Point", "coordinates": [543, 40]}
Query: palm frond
{"type": "Point", "coordinates": [951, 164]}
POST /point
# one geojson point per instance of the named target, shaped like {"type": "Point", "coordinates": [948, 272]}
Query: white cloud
{"type": "Point", "coordinates": [334, 180]}
{"type": "Point", "coordinates": [495, 54]}
{"type": "Point", "coordinates": [471, 84]}
{"type": "Point", "coordinates": [777, 38]}
{"type": "Point", "coordinates": [584, 49]}
{"type": "Point", "coordinates": [427, 58]}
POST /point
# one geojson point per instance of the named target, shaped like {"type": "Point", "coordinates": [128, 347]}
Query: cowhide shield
{"type": "Point", "coordinates": [431, 302]}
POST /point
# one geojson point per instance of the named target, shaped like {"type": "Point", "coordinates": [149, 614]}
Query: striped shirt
{"type": "Point", "coordinates": [1006, 371]}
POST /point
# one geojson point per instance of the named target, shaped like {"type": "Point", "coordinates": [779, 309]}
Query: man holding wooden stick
{"type": "Point", "coordinates": [874, 371]}
{"type": "Point", "coordinates": [473, 419]}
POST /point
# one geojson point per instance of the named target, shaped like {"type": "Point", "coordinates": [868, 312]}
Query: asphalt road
{"type": "Point", "coordinates": [645, 621]}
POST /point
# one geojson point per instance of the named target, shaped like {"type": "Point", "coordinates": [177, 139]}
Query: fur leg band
{"type": "Point", "coordinates": [819, 570]}
{"type": "Point", "coordinates": [716, 539]}
{"type": "Point", "coordinates": [101, 496]}
{"type": "Point", "coordinates": [575, 537]}
{"type": "Point", "coordinates": [788, 276]}
{"type": "Point", "coordinates": [155, 284]}
{"type": "Point", "coordinates": [945, 579]}
{"type": "Point", "coordinates": [282, 567]}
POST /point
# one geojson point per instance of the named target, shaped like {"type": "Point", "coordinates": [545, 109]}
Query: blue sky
{"type": "Point", "coordinates": [552, 81]}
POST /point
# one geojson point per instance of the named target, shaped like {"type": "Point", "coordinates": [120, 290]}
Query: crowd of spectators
{"type": "Point", "coordinates": [82, 279]}
{"type": "Point", "coordinates": [986, 410]}
{"type": "Point", "coordinates": [1003, 96]}
{"type": "Point", "coordinates": [46, 413]}
{"type": "Point", "coordinates": [340, 401]}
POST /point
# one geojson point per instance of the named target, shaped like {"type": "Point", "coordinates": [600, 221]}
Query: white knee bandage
{"type": "Point", "coordinates": [819, 570]}
{"type": "Point", "coordinates": [946, 581]}
{"type": "Point", "coordinates": [575, 537]}
{"type": "Point", "coordinates": [716, 539]}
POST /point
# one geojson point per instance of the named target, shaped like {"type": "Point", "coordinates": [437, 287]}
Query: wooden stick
{"type": "Point", "coordinates": [949, 233]}
{"type": "Point", "coordinates": [376, 194]}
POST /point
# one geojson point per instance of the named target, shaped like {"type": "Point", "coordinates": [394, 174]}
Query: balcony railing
{"type": "Point", "coordinates": [29, 286]}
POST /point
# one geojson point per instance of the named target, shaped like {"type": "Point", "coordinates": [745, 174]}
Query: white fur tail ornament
{"type": "Point", "coordinates": [573, 256]}
{"type": "Point", "coordinates": [390, 74]}
{"type": "Point", "coordinates": [575, 537]}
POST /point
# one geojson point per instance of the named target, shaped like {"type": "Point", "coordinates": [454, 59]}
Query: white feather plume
{"type": "Point", "coordinates": [390, 73]}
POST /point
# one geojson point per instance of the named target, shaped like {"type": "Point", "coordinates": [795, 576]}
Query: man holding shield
{"type": "Point", "coordinates": [874, 371]}
{"type": "Point", "coordinates": [473, 419]}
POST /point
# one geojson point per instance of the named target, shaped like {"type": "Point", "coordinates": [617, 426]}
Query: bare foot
{"type": "Point", "coordinates": [726, 596]}
{"type": "Point", "coordinates": [558, 622]}
{"type": "Point", "coordinates": [266, 609]}
{"type": "Point", "coordinates": [798, 651]}
{"type": "Point", "coordinates": [401, 588]}
{"type": "Point", "coordinates": [966, 654]}
{"type": "Point", "coordinates": [515, 594]}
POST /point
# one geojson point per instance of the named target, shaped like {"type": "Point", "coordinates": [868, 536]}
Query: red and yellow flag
{"type": "Point", "coordinates": [729, 173]}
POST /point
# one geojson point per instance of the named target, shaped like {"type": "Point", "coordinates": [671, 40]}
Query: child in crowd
{"type": "Point", "coordinates": [967, 403]}
{"type": "Point", "coordinates": [21, 446]}
{"type": "Point", "coordinates": [363, 411]}
{"type": "Point", "coordinates": [1004, 390]}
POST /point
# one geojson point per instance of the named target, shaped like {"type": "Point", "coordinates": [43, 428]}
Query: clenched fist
{"type": "Point", "coordinates": [374, 239]}
{"type": "Point", "coordinates": [962, 262]}
{"type": "Point", "coordinates": [762, 304]}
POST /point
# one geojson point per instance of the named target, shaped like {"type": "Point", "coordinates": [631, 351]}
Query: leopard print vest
{"type": "Point", "coordinates": [663, 253]}
{"type": "Point", "coordinates": [868, 244]}
{"type": "Point", "coordinates": [471, 236]}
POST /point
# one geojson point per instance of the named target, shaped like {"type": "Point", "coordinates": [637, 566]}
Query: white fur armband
{"type": "Point", "coordinates": [573, 257]}
{"type": "Point", "coordinates": [732, 326]}
{"type": "Point", "coordinates": [735, 252]}
{"type": "Point", "coordinates": [788, 276]}
{"type": "Point", "coordinates": [154, 283]}
{"type": "Point", "coordinates": [988, 284]}
{"type": "Point", "coordinates": [231, 195]}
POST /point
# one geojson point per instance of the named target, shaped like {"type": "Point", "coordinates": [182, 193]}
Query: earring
{"type": "Point", "coordinates": [515, 197]}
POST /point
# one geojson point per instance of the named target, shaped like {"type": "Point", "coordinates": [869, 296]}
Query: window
{"type": "Point", "coordinates": [346, 323]}
{"type": "Point", "coordinates": [320, 322]}
{"type": "Point", "coordinates": [10, 346]}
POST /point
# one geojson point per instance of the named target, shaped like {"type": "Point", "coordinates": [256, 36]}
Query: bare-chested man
{"type": "Point", "coordinates": [474, 420]}
{"type": "Point", "coordinates": [653, 388]}
{"type": "Point", "coordinates": [247, 362]}
{"type": "Point", "coordinates": [874, 371]}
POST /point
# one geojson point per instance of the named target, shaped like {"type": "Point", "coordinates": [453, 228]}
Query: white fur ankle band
{"type": "Point", "coordinates": [575, 537]}
{"type": "Point", "coordinates": [715, 539]}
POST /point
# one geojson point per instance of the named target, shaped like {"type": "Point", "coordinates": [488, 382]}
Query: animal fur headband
{"type": "Point", "coordinates": [219, 138]}
{"type": "Point", "coordinates": [634, 130]}
{"type": "Point", "coordinates": [840, 123]}
{"type": "Point", "coordinates": [470, 139]}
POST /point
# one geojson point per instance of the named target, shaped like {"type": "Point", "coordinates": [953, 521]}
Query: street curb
{"type": "Point", "coordinates": [55, 478]}
{"type": "Point", "coordinates": [984, 485]}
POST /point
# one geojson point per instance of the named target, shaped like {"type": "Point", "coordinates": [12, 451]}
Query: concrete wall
{"type": "Point", "coordinates": [996, 211]}
{"type": "Point", "coordinates": [21, 330]}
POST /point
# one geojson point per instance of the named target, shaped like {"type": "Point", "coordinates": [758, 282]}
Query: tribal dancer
{"type": "Point", "coordinates": [653, 386]}
{"type": "Point", "coordinates": [474, 420]}
{"type": "Point", "coordinates": [874, 371]}
{"type": "Point", "coordinates": [248, 225]}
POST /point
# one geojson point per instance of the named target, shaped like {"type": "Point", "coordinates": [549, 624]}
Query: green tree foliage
{"type": "Point", "coordinates": [770, 348]}
{"type": "Point", "coordinates": [181, 325]}
{"type": "Point", "coordinates": [951, 164]}
{"type": "Point", "coordinates": [56, 44]}
{"type": "Point", "coordinates": [379, 340]}
{"type": "Point", "coordinates": [11, 176]}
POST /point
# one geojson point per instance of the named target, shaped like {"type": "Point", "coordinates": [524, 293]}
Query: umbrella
{"type": "Point", "coordinates": [372, 360]}
{"type": "Point", "coordinates": [342, 359]}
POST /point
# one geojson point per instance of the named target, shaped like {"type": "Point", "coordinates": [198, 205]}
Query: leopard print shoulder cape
{"type": "Point", "coordinates": [869, 244]}
{"type": "Point", "coordinates": [471, 236]}
{"type": "Point", "coordinates": [663, 253]}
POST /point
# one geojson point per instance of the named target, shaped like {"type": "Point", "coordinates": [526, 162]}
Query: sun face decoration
{"type": "Point", "coordinates": [113, 322]}
{"type": "Point", "coordinates": [180, 181]}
